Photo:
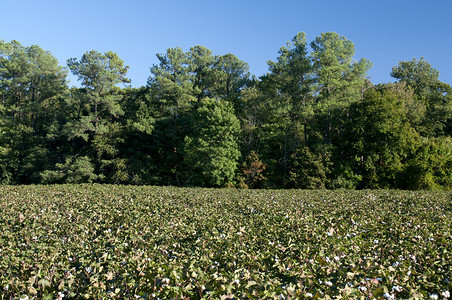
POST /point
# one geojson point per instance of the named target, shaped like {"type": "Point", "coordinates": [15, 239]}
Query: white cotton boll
{"type": "Point", "coordinates": [445, 294]}
{"type": "Point", "coordinates": [388, 296]}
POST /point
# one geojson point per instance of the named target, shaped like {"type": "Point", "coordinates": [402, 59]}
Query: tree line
{"type": "Point", "coordinates": [313, 121]}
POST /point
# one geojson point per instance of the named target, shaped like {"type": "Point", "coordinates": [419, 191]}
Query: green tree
{"type": "Point", "coordinates": [171, 84]}
{"type": "Point", "coordinates": [379, 139]}
{"type": "Point", "coordinates": [32, 87]}
{"type": "Point", "coordinates": [99, 74]}
{"type": "Point", "coordinates": [231, 76]}
{"type": "Point", "coordinates": [139, 126]}
{"type": "Point", "coordinates": [308, 170]}
{"type": "Point", "coordinates": [211, 151]}
{"type": "Point", "coordinates": [201, 62]}
{"type": "Point", "coordinates": [73, 170]}
{"type": "Point", "coordinates": [182, 79]}
{"type": "Point", "coordinates": [29, 76]}
{"type": "Point", "coordinates": [94, 129]}
{"type": "Point", "coordinates": [340, 81]}
{"type": "Point", "coordinates": [178, 85]}
{"type": "Point", "coordinates": [252, 112]}
{"type": "Point", "coordinates": [288, 105]}
{"type": "Point", "coordinates": [172, 97]}
{"type": "Point", "coordinates": [431, 166]}
{"type": "Point", "coordinates": [434, 95]}
{"type": "Point", "coordinates": [22, 155]}
{"type": "Point", "coordinates": [30, 80]}
{"type": "Point", "coordinates": [292, 77]}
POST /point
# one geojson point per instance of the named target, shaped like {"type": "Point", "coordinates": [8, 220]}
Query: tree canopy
{"type": "Point", "coordinates": [313, 121]}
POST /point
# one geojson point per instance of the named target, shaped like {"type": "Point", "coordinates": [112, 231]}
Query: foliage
{"type": "Point", "coordinates": [431, 92]}
{"type": "Point", "coordinates": [94, 138]}
{"type": "Point", "coordinates": [212, 150]}
{"type": "Point", "coordinates": [107, 241]}
{"type": "Point", "coordinates": [99, 73]}
{"type": "Point", "coordinates": [308, 171]}
{"type": "Point", "coordinates": [431, 166]}
{"type": "Point", "coordinates": [23, 155]}
{"type": "Point", "coordinates": [288, 97]}
{"type": "Point", "coordinates": [340, 81]}
{"type": "Point", "coordinates": [74, 170]}
{"type": "Point", "coordinates": [380, 138]}
{"type": "Point", "coordinates": [253, 171]}
{"type": "Point", "coordinates": [30, 80]}
{"type": "Point", "coordinates": [32, 87]}
{"type": "Point", "coordinates": [313, 121]}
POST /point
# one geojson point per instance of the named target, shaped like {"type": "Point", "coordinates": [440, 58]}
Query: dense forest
{"type": "Point", "coordinates": [313, 121]}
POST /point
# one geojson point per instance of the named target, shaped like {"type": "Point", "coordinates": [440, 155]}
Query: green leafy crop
{"type": "Point", "coordinates": [111, 241]}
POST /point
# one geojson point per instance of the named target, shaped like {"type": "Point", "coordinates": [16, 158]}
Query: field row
{"type": "Point", "coordinates": [171, 243]}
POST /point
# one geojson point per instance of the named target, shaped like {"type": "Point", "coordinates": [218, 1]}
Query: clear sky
{"type": "Point", "coordinates": [385, 32]}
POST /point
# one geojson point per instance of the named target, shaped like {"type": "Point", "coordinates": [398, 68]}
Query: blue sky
{"type": "Point", "coordinates": [385, 32]}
